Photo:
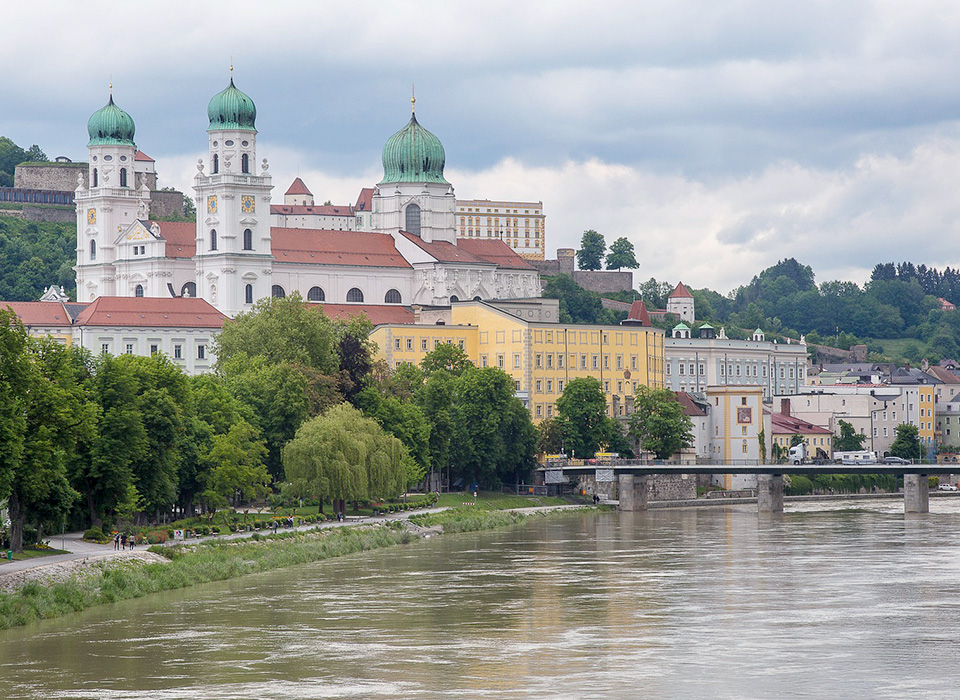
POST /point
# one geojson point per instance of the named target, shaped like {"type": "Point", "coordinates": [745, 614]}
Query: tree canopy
{"type": "Point", "coordinates": [590, 255]}
{"type": "Point", "coordinates": [621, 255]}
{"type": "Point", "coordinates": [659, 424]}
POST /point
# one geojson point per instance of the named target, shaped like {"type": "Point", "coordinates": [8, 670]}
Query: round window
{"type": "Point", "coordinates": [228, 143]}
{"type": "Point", "coordinates": [123, 159]}
{"type": "Point", "coordinates": [215, 144]}
{"type": "Point", "coordinates": [108, 158]}
{"type": "Point", "coordinates": [244, 143]}
{"type": "Point", "coordinates": [94, 159]}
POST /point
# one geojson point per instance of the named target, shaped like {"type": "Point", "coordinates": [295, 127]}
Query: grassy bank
{"type": "Point", "coordinates": [221, 560]}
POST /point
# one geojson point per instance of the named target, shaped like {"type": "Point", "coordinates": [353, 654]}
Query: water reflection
{"type": "Point", "coordinates": [823, 601]}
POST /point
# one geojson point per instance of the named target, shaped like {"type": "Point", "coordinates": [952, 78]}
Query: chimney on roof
{"type": "Point", "coordinates": [785, 406]}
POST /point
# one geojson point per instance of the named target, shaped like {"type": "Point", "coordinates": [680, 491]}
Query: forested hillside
{"type": "Point", "coordinates": [34, 255]}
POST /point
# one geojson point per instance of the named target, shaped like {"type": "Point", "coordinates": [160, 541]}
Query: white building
{"type": "Point", "coordinates": [521, 225]}
{"type": "Point", "coordinates": [234, 256]}
{"type": "Point", "coordinates": [693, 364]}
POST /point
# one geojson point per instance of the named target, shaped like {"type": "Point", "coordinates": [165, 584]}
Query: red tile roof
{"type": "Point", "coordinates": [690, 407]}
{"type": "Point", "coordinates": [298, 188]}
{"type": "Point", "coordinates": [680, 291]}
{"type": "Point", "coordinates": [782, 424]}
{"type": "Point", "coordinates": [444, 251]}
{"type": "Point", "coordinates": [377, 313]}
{"type": "Point", "coordinates": [357, 248]}
{"type": "Point", "coordinates": [151, 312]}
{"type": "Point", "coordinates": [495, 251]}
{"type": "Point", "coordinates": [365, 200]}
{"type": "Point", "coordinates": [181, 238]}
{"type": "Point", "coordinates": [40, 313]}
{"type": "Point", "coordinates": [140, 155]}
{"type": "Point", "coordinates": [315, 209]}
{"type": "Point", "coordinates": [638, 313]}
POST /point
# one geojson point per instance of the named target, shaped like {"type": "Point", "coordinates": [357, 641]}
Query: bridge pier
{"type": "Point", "coordinates": [769, 493]}
{"type": "Point", "coordinates": [916, 493]}
{"type": "Point", "coordinates": [633, 492]}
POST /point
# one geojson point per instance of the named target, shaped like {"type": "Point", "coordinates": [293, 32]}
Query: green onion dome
{"type": "Point", "coordinates": [231, 109]}
{"type": "Point", "coordinates": [110, 125]}
{"type": "Point", "coordinates": [413, 154]}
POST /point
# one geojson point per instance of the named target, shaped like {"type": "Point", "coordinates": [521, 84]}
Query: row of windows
{"type": "Point", "coordinates": [354, 296]}
{"type": "Point", "coordinates": [247, 239]}
{"type": "Point", "coordinates": [155, 348]}
{"type": "Point", "coordinates": [244, 163]}
{"type": "Point", "coordinates": [407, 343]}
{"type": "Point", "coordinates": [123, 176]}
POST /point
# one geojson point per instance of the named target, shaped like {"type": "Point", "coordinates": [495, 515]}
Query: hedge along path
{"type": "Point", "coordinates": [189, 565]}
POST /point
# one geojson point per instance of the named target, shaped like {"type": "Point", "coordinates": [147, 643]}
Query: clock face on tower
{"type": "Point", "coordinates": [248, 204]}
{"type": "Point", "coordinates": [91, 216]}
{"type": "Point", "coordinates": [212, 204]}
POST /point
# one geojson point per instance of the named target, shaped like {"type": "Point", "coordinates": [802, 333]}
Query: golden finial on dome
{"type": "Point", "coordinates": [413, 99]}
{"type": "Point", "coordinates": [231, 68]}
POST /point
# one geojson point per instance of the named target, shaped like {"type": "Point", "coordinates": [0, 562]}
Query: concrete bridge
{"type": "Point", "coordinates": [632, 478]}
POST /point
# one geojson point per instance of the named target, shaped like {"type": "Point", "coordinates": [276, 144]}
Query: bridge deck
{"type": "Point", "coordinates": [641, 469]}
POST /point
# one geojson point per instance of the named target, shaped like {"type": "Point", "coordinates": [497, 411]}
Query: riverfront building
{"type": "Point", "coordinates": [524, 338]}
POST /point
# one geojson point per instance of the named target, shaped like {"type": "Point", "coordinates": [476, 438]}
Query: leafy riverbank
{"type": "Point", "coordinates": [108, 582]}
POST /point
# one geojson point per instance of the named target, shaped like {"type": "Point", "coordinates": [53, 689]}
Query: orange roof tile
{"type": "Point", "coordinates": [298, 187]}
{"type": "Point", "coordinates": [40, 313]}
{"type": "Point", "coordinates": [495, 251]}
{"type": "Point", "coordinates": [680, 291]}
{"type": "Point", "coordinates": [315, 209]}
{"type": "Point", "coordinates": [151, 312]}
{"type": "Point", "coordinates": [365, 200]}
{"type": "Point", "coordinates": [638, 313]}
{"type": "Point", "coordinates": [377, 313]}
{"type": "Point", "coordinates": [357, 248]}
{"type": "Point", "coordinates": [444, 251]}
{"type": "Point", "coordinates": [782, 423]}
{"type": "Point", "coordinates": [181, 238]}
{"type": "Point", "coordinates": [140, 155]}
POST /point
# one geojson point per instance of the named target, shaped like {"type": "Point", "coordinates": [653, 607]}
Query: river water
{"type": "Point", "coordinates": [845, 600]}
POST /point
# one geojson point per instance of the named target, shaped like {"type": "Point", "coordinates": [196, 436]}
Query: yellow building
{"type": "Point", "coordinates": [521, 225]}
{"type": "Point", "coordinates": [541, 355]}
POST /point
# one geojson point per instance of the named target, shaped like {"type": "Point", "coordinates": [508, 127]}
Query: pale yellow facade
{"type": "Point", "coordinates": [521, 225]}
{"type": "Point", "coordinates": [542, 358]}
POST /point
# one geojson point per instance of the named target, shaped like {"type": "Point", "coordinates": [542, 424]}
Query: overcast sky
{"type": "Point", "coordinates": [719, 137]}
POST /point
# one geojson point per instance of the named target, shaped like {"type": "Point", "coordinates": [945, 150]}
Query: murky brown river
{"type": "Point", "coordinates": [847, 600]}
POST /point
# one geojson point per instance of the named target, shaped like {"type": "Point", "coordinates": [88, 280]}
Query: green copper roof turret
{"type": "Point", "coordinates": [413, 154]}
{"type": "Point", "coordinates": [111, 126]}
{"type": "Point", "coordinates": [231, 109]}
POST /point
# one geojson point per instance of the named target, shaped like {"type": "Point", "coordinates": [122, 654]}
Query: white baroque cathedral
{"type": "Point", "coordinates": [232, 256]}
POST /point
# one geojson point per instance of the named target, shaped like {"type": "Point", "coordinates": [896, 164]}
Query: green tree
{"type": "Point", "coordinates": [235, 467]}
{"type": "Point", "coordinates": [281, 330]}
{"type": "Point", "coordinates": [848, 440]}
{"type": "Point", "coordinates": [659, 424]}
{"type": "Point", "coordinates": [550, 436]}
{"type": "Point", "coordinates": [447, 357]}
{"type": "Point", "coordinates": [655, 294]}
{"type": "Point", "coordinates": [796, 439]}
{"type": "Point", "coordinates": [621, 255]}
{"type": "Point", "coordinates": [436, 399]}
{"type": "Point", "coordinates": [582, 411]}
{"type": "Point", "coordinates": [577, 305]}
{"type": "Point", "coordinates": [404, 420]}
{"type": "Point", "coordinates": [906, 442]}
{"type": "Point", "coordinates": [590, 255]}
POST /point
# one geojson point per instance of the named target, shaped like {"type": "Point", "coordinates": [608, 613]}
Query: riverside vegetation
{"type": "Point", "coordinates": [188, 565]}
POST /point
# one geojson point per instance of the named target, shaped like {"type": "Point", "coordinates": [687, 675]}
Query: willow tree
{"type": "Point", "coordinates": [344, 455]}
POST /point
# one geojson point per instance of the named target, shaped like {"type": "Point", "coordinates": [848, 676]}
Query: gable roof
{"type": "Point", "coordinates": [316, 246]}
{"type": "Point", "coordinates": [298, 187]}
{"type": "Point", "coordinates": [140, 155]}
{"type": "Point", "coordinates": [680, 291]}
{"type": "Point", "coordinates": [377, 313]}
{"type": "Point", "coordinates": [495, 251]}
{"type": "Point", "coordinates": [443, 251]}
{"type": "Point", "coordinates": [944, 375]}
{"type": "Point", "coordinates": [691, 408]}
{"type": "Point", "coordinates": [49, 314]}
{"type": "Point", "coordinates": [365, 200]}
{"type": "Point", "coordinates": [151, 312]}
{"type": "Point", "coordinates": [180, 237]}
{"type": "Point", "coordinates": [638, 315]}
{"type": "Point", "coordinates": [781, 424]}
{"type": "Point", "coordinates": [315, 209]}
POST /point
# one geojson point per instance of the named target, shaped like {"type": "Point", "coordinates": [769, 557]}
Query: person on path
{"type": "Point", "coordinates": [116, 541]}
{"type": "Point", "coordinates": [123, 541]}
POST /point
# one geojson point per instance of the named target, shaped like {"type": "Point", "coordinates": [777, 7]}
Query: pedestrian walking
{"type": "Point", "coordinates": [123, 541]}
{"type": "Point", "coordinates": [116, 541]}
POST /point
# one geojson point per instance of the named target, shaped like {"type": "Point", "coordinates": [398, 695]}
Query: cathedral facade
{"type": "Point", "coordinates": [232, 256]}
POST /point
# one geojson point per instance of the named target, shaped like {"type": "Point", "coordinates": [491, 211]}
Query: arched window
{"type": "Point", "coordinates": [213, 239]}
{"type": "Point", "coordinates": [355, 295]}
{"type": "Point", "coordinates": [316, 294]}
{"type": "Point", "coordinates": [277, 291]}
{"type": "Point", "coordinates": [189, 290]}
{"type": "Point", "coordinates": [247, 239]}
{"type": "Point", "coordinates": [476, 298]}
{"type": "Point", "coordinates": [245, 163]}
{"type": "Point", "coordinates": [123, 177]}
{"type": "Point", "coordinates": [392, 297]}
{"type": "Point", "coordinates": [96, 178]}
{"type": "Point", "coordinates": [216, 164]}
{"type": "Point", "coordinates": [413, 219]}
{"type": "Point", "coordinates": [454, 298]}
{"type": "Point", "coordinates": [138, 292]}
{"type": "Point", "coordinates": [248, 294]}
{"type": "Point", "coordinates": [93, 250]}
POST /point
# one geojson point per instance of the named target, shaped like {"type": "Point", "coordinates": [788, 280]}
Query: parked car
{"type": "Point", "coordinates": [947, 487]}
{"type": "Point", "coordinates": [895, 460]}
